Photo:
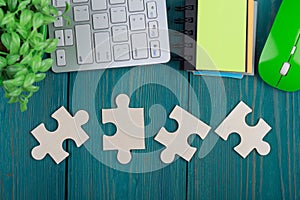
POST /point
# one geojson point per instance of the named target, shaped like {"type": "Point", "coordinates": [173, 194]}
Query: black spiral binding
{"type": "Point", "coordinates": [190, 26]}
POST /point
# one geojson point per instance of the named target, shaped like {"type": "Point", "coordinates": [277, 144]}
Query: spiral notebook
{"type": "Point", "coordinates": [224, 32]}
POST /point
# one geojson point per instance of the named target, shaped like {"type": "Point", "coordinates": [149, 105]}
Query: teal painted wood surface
{"type": "Point", "coordinates": [20, 176]}
{"type": "Point", "coordinates": [215, 172]}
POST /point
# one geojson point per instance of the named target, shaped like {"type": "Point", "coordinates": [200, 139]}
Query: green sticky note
{"type": "Point", "coordinates": [222, 35]}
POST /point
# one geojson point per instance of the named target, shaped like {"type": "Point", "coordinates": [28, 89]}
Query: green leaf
{"type": "Point", "coordinates": [65, 17]}
{"type": "Point", "coordinates": [49, 19]}
{"type": "Point", "coordinates": [38, 20]}
{"type": "Point", "coordinates": [39, 77]}
{"type": "Point", "coordinates": [44, 3]}
{"type": "Point", "coordinates": [36, 2]}
{"type": "Point", "coordinates": [13, 69]}
{"type": "Point", "coordinates": [52, 44]}
{"type": "Point", "coordinates": [27, 59]}
{"type": "Point", "coordinates": [29, 95]}
{"type": "Point", "coordinates": [32, 88]}
{"type": "Point", "coordinates": [53, 11]}
{"type": "Point", "coordinates": [18, 81]}
{"type": "Point", "coordinates": [13, 100]}
{"type": "Point", "coordinates": [25, 17]}
{"type": "Point", "coordinates": [12, 59]}
{"type": "Point", "coordinates": [23, 106]}
{"type": "Point", "coordinates": [6, 94]}
{"type": "Point", "coordinates": [8, 18]}
{"type": "Point", "coordinates": [36, 63]}
{"type": "Point", "coordinates": [11, 26]}
{"type": "Point", "coordinates": [15, 43]}
{"type": "Point", "coordinates": [46, 64]}
{"type": "Point", "coordinates": [22, 32]}
{"type": "Point", "coordinates": [8, 85]}
{"type": "Point", "coordinates": [25, 48]}
{"type": "Point", "coordinates": [3, 62]}
{"type": "Point", "coordinates": [35, 39]}
{"type": "Point", "coordinates": [2, 3]}
{"type": "Point", "coordinates": [15, 92]}
{"type": "Point", "coordinates": [68, 7]}
{"type": "Point", "coordinates": [12, 4]}
{"type": "Point", "coordinates": [46, 10]}
{"type": "Point", "coordinates": [22, 72]}
{"type": "Point", "coordinates": [41, 46]}
{"type": "Point", "coordinates": [1, 14]}
{"type": "Point", "coordinates": [23, 4]}
{"type": "Point", "coordinates": [29, 80]}
{"type": "Point", "coordinates": [5, 39]}
{"type": "Point", "coordinates": [39, 36]}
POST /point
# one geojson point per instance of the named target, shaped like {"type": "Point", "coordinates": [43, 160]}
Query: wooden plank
{"type": "Point", "coordinates": [294, 169]}
{"type": "Point", "coordinates": [211, 173]}
{"type": "Point", "coordinates": [223, 174]}
{"type": "Point", "coordinates": [22, 177]}
{"type": "Point", "coordinates": [97, 176]}
{"type": "Point", "coordinates": [282, 165]}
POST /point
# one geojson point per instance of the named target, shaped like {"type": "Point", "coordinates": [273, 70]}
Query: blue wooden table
{"type": "Point", "coordinates": [215, 172]}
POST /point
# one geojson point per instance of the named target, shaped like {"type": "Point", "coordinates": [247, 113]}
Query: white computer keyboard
{"type": "Point", "coordinates": [109, 34]}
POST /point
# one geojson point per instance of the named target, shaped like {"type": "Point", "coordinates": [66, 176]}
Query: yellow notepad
{"type": "Point", "coordinates": [222, 35]}
{"type": "Point", "coordinates": [250, 37]}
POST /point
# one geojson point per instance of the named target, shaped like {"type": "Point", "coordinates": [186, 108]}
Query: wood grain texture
{"type": "Point", "coordinates": [22, 177]}
{"type": "Point", "coordinates": [103, 182]}
{"type": "Point", "coordinates": [223, 174]}
{"type": "Point", "coordinates": [98, 181]}
{"type": "Point", "coordinates": [217, 174]}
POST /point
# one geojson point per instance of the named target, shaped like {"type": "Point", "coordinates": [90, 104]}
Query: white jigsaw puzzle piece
{"type": "Point", "coordinates": [68, 128]}
{"type": "Point", "coordinates": [130, 132]}
{"type": "Point", "coordinates": [251, 137]}
{"type": "Point", "coordinates": [176, 143]}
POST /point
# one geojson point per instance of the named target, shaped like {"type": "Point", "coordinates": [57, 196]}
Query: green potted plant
{"type": "Point", "coordinates": [23, 44]}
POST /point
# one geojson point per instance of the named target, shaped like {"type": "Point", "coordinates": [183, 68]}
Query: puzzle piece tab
{"type": "Point", "coordinates": [68, 128]}
{"type": "Point", "coordinates": [176, 143]}
{"type": "Point", "coordinates": [251, 137]}
{"type": "Point", "coordinates": [130, 132]}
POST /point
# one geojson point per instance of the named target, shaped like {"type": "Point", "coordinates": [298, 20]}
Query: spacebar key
{"type": "Point", "coordinates": [84, 44]}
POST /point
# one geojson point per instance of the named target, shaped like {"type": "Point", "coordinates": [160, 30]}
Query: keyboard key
{"type": "Point", "coordinates": [109, 34]}
{"type": "Point", "coordinates": [116, 1]}
{"type": "Point", "coordinates": [103, 48]}
{"type": "Point", "coordinates": [121, 52]}
{"type": "Point", "coordinates": [99, 4]}
{"type": "Point", "coordinates": [81, 13]}
{"type": "Point", "coordinates": [60, 36]}
{"type": "Point", "coordinates": [84, 44]}
{"type": "Point", "coordinates": [139, 46]}
{"type": "Point", "coordinates": [61, 58]}
{"type": "Point", "coordinates": [118, 14]}
{"type": "Point", "coordinates": [59, 20]}
{"type": "Point", "coordinates": [80, 1]}
{"type": "Point", "coordinates": [136, 5]}
{"type": "Point", "coordinates": [155, 49]}
{"type": "Point", "coordinates": [60, 3]}
{"type": "Point", "coordinates": [153, 29]}
{"type": "Point", "coordinates": [69, 37]}
{"type": "Point", "coordinates": [100, 21]}
{"type": "Point", "coordinates": [137, 22]}
{"type": "Point", "coordinates": [152, 9]}
{"type": "Point", "coordinates": [120, 33]}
